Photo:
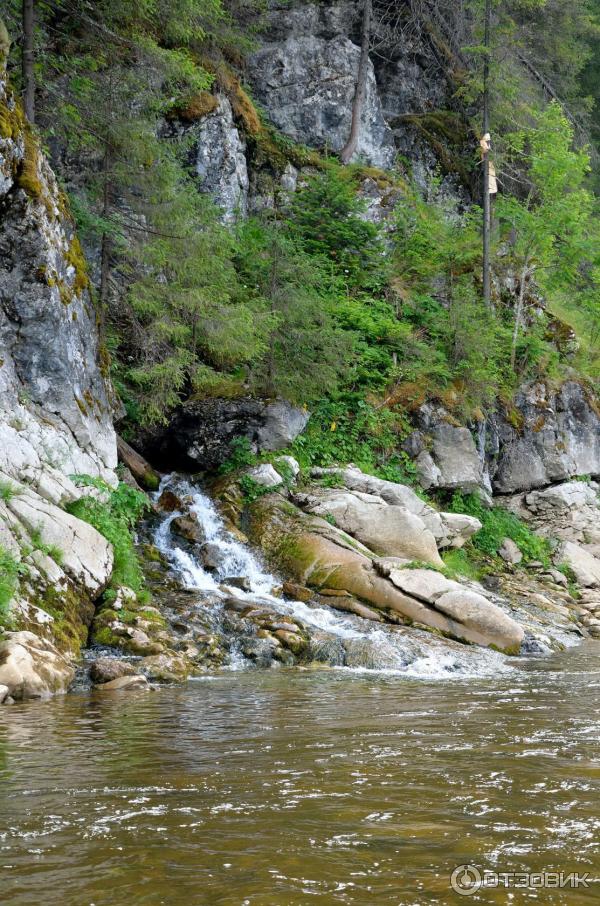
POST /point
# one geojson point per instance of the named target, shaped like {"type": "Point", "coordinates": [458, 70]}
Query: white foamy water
{"type": "Point", "coordinates": [385, 649]}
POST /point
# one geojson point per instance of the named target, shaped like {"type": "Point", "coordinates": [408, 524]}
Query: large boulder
{"type": "Point", "coordinates": [321, 556]}
{"type": "Point", "coordinates": [584, 565]}
{"type": "Point", "coordinates": [386, 529]}
{"type": "Point", "coordinates": [445, 453]}
{"type": "Point", "coordinates": [448, 529]}
{"type": "Point", "coordinates": [304, 75]}
{"type": "Point", "coordinates": [201, 433]}
{"type": "Point", "coordinates": [32, 667]}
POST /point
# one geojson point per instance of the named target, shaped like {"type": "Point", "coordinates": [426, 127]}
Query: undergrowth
{"type": "Point", "coordinates": [10, 571]}
{"type": "Point", "coordinates": [498, 524]}
{"type": "Point", "coordinates": [114, 515]}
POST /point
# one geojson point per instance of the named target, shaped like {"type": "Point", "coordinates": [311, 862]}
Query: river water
{"type": "Point", "coordinates": [284, 787]}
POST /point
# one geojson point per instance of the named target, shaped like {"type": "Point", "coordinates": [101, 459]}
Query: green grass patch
{"type": "Point", "coordinates": [115, 517]}
{"type": "Point", "coordinates": [498, 524]}
{"type": "Point", "coordinates": [7, 491]}
{"type": "Point", "coordinates": [463, 562]}
{"type": "Point", "coordinates": [10, 572]}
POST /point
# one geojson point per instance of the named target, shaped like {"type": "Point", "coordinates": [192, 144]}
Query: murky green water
{"type": "Point", "coordinates": [288, 787]}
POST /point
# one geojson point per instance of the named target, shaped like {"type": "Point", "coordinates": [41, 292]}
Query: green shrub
{"type": "Point", "coordinates": [350, 429]}
{"type": "Point", "coordinates": [498, 524]}
{"type": "Point", "coordinates": [10, 571]}
{"type": "Point", "coordinates": [7, 491]}
{"type": "Point", "coordinates": [252, 490]}
{"type": "Point", "coordinates": [115, 518]}
{"type": "Point", "coordinates": [241, 455]}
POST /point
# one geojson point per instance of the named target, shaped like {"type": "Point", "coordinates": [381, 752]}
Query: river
{"type": "Point", "coordinates": [285, 787]}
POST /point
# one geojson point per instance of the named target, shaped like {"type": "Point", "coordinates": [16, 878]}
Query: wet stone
{"type": "Point", "coordinates": [241, 582]}
{"type": "Point", "coordinates": [169, 502]}
{"type": "Point", "coordinates": [106, 669]}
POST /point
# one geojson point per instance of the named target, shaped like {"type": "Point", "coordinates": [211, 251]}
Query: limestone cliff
{"type": "Point", "coordinates": [55, 417]}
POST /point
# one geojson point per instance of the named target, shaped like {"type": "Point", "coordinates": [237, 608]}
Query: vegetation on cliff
{"type": "Point", "coordinates": [310, 299]}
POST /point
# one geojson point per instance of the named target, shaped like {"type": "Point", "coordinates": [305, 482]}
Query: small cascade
{"type": "Point", "coordinates": [352, 641]}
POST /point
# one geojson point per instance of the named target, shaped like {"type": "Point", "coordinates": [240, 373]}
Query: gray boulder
{"type": "Point", "coordinates": [201, 433]}
{"type": "Point", "coordinates": [557, 436]}
{"type": "Point", "coordinates": [386, 529]}
{"type": "Point", "coordinates": [448, 529]}
{"type": "Point", "coordinates": [265, 475]}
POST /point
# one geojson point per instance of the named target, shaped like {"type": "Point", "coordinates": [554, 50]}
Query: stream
{"type": "Point", "coordinates": [357, 785]}
{"type": "Point", "coordinates": [341, 638]}
{"type": "Point", "coordinates": [291, 787]}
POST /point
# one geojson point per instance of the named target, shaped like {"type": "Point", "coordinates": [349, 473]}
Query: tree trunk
{"type": "Point", "coordinates": [519, 313]}
{"type": "Point", "coordinates": [487, 206]}
{"type": "Point", "coordinates": [351, 145]}
{"type": "Point", "coordinates": [106, 245]}
{"type": "Point", "coordinates": [27, 61]}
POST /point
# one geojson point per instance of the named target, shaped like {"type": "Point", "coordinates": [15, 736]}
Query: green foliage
{"type": "Point", "coordinates": [252, 490]}
{"type": "Point", "coordinates": [197, 324]}
{"type": "Point", "coordinates": [114, 514]}
{"type": "Point", "coordinates": [326, 216]}
{"type": "Point", "coordinates": [295, 300]}
{"type": "Point", "coordinates": [241, 455]}
{"type": "Point", "coordinates": [10, 571]}
{"type": "Point", "coordinates": [351, 430]}
{"type": "Point", "coordinates": [7, 491]}
{"type": "Point", "coordinates": [498, 524]}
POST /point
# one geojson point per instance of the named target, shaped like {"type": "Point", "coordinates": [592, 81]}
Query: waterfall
{"type": "Point", "coordinates": [370, 646]}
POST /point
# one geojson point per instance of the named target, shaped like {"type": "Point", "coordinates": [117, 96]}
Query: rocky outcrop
{"type": "Point", "coordinates": [220, 160]}
{"type": "Point", "coordinates": [55, 416]}
{"type": "Point", "coordinates": [322, 556]}
{"type": "Point", "coordinates": [569, 511]}
{"type": "Point", "coordinates": [304, 75]}
{"type": "Point", "coordinates": [547, 436]}
{"type": "Point", "coordinates": [201, 433]}
{"type": "Point", "coordinates": [550, 437]}
{"type": "Point", "coordinates": [361, 546]}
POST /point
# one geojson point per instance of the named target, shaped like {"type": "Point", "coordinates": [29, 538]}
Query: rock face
{"type": "Point", "coordinates": [548, 437]}
{"type": "Point", "coordinates": [32, 667]}
{"type": "Point", "coordinates": [55, 416]}
{"type": "Point", "coordinates": [557, 436]}
{"type": "Point", "coordinates": [220, 161]}
{"type": "Point", "coordinates": [304, 75]}
{"type": "Point", "coordinates": [201, 433]}
{"type": "Point", "coordinates": [48, 334]}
